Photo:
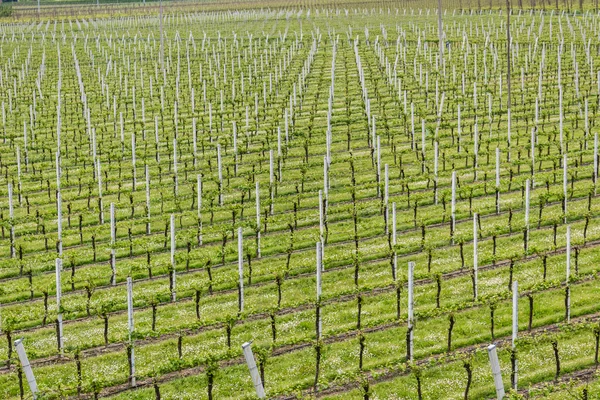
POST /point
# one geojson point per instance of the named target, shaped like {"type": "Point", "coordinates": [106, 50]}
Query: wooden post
{"type": "Point", "coordinates": [497, 180]}
{"type": "Point", "coordinates": [412, 124]}
{"type": "Point", "coordinates": [241, 267]}
{"type": "Point", "coordinates": [411, 267]}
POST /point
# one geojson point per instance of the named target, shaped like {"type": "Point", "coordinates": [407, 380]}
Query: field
{"type": "Point", "coordinates": [210, 163]}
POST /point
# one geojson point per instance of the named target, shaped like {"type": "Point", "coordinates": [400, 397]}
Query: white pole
{"type": "Point", "coordinates": [147, 199]}
{"type": "Point", "coordinates": [321, 216]}
{"type": "Point", "coordinates": [58, 266]}
{"type": "Point", "coordinates": [235, 150]}
{"type": "Point", "coordinates": [568, 300]}
{"type": "Point", "coordinates": [515, 323]}
{"type": "Point", "coordinates": [11, 215]}
{"type": "Point", "coordinates": [394, 240]}
{"type": "Point", "coordinates": [394, 223]}
{"type": "Point", "coordinates": [130, 306]}
{"type": "Point", "coordinates": [134, 182]}
{"type": "Point", "coordinates": [130, 326]}
{"type": "Point", "coordinates": [587, 124]}
{"type": "Point", "coordinates": [257, 220]}
{"type": "Point", "coordinates": [440, 34]}
{"type": "Point", "coordinates": [59, 221]}
{"type": "Point", "coordinates": [112, 245]}
{"type": "Point", "coordinates": [378, 166]}
{"type": "Point", "coordinates": [156, 141]}
{"type": "Point", "coordinates": [19, 190]}
{"type": "Point", "coordinates": [509, 117]}
{"type": "Point", "coordinates": [220, 174]}
{"type": "Point", "coordinates": [199, 194]}
{"type": "Point", "coordinates": [195, 140]}
{"type": "Point", "coordinates": [527, 197]}
{"type": "Point", "coordinates": [26, 367]}
{"type": "Point", "coordinates": [173, 292]}
{"type": "Point", "coordinates": [595, 162]}
{"type": "Point", "coordinates": [122, 135]}
{"type": "Point", "coordinates": [453, 208]}
{"type": "Point", "coordinates": [254, 374]}
{"type": "Point", "coordinates": [565, 184]}
{"type": "Point", "coordinates": [423, 138]}
{"type": "Point", "coordinates": [475, 260]}
{"type": "Point", "coordinates": [319, 270]}
{"type": "Point", "coordinates": [175, 166]}
{"type": "Point", "coordinates": [475, 148]}
{"type": "Point", "coordinates": [411, 267]}
{"type": "Point", "coordinates": [458, 129]}
{"type": "Point", "coordinates": [435, 171]}
{"type": "Point", "coordinates": [532, 153]}
{"type": "Point", "coordinates": [100, 192]}
{"type": "Point", "coordinates": [561, 118]}
{"type": "Point", "coordinates": [271, 178]}
{"type": "Point", "coordinates": [58, 170]}
{"type": "Point", "coordinates": [325, 179]}
{"type": "Point", "coordinates": [241, 267]}
{"type": "Point", "coordinates": [386, 196]}
{"type": "Point", "coordinates": [496, 373]}
{"type": "Point", "coordinates": [412, 124]}
{"type": "Point", "coordinates": [279, 154]}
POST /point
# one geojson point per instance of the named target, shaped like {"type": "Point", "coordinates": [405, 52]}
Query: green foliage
{"type": "Point", "coordinates": [6, 10]}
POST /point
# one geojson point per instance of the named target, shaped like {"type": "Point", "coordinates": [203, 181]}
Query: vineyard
{"type": "Point", "coordinates": [369, 208]}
